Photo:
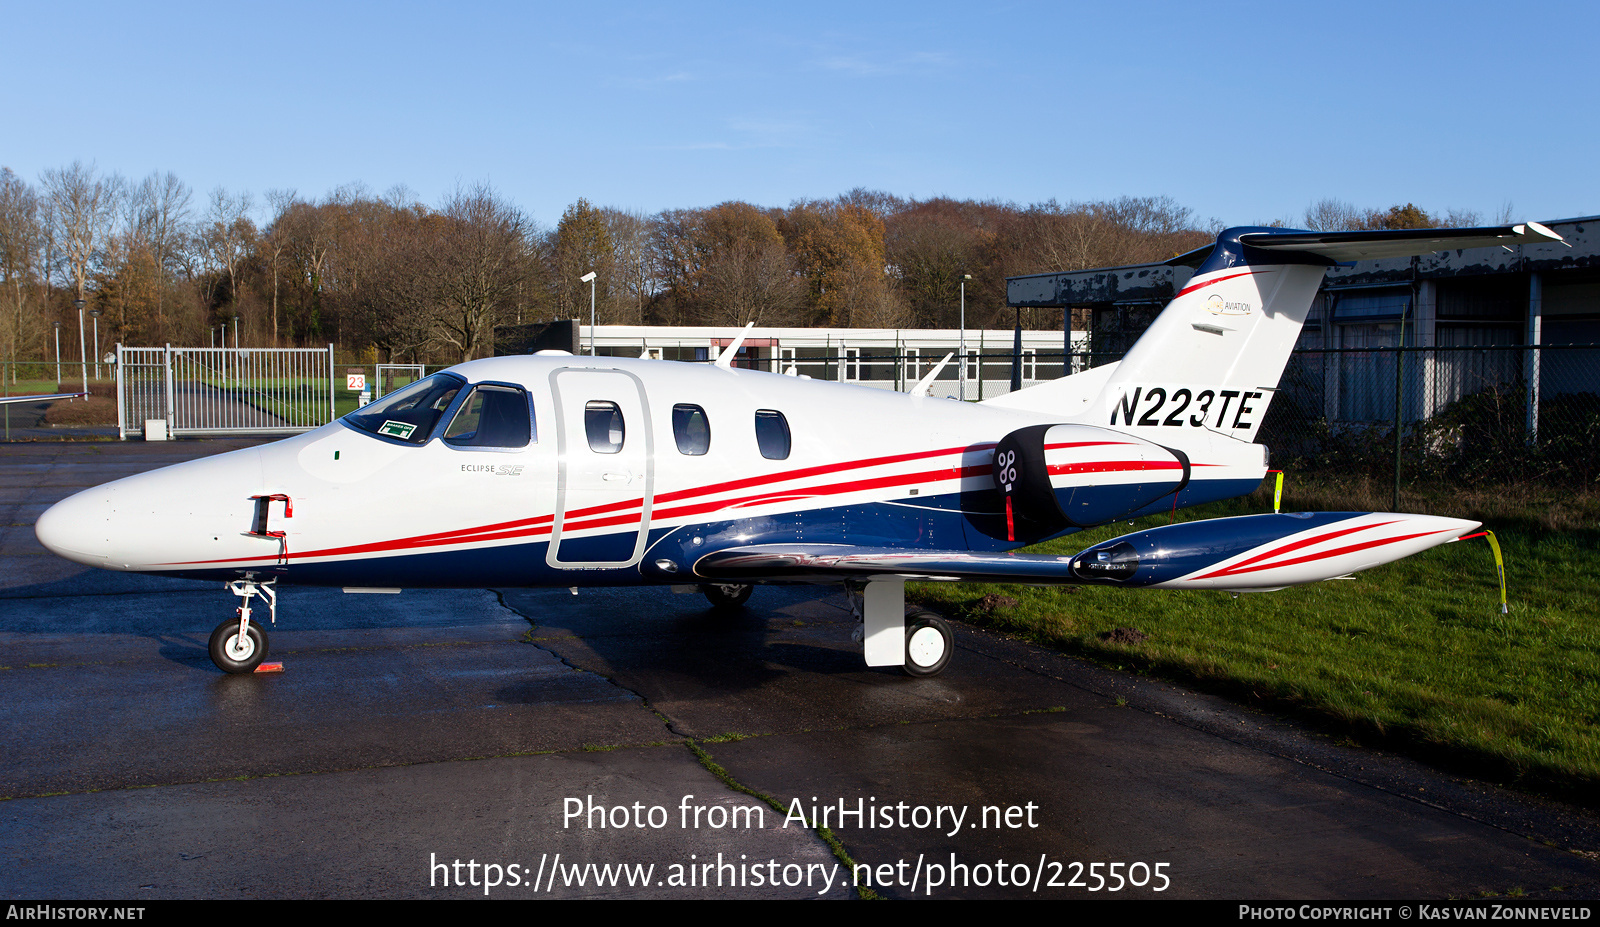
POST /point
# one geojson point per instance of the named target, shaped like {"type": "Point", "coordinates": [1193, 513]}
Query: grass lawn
{"type": "Point", "coordinates": [1413, 655]}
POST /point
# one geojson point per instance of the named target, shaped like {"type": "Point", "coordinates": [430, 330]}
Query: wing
{"type": "Point", "coordinates": [1245, 553]}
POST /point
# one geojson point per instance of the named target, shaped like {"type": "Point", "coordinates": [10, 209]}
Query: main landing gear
{"type": "Point", "coordinates": [725, 597]}
{"type": "Point", "coordinates": [237, 646]}
{"type": "Point", "coordinates": [929, 644]}
{"type": "Point", "coordinates": [919, 642]}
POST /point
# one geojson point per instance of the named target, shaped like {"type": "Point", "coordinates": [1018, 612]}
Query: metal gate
{"type": "Point", "coordinates": [224, 390]}
{"type": "Point", "coordinates": [393, 376]}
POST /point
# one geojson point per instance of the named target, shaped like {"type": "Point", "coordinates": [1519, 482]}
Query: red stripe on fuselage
{"type": "Point", "coordinates": [584, 519]}
{"type": "Point", "coordinates": [540, 524]}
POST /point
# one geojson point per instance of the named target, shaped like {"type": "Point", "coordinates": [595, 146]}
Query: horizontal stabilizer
{"type": "Point", "coordinates": [1359, 246]}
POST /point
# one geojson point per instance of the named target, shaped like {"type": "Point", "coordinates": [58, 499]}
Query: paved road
{"type": "Point", "coordinates": [412, 732]}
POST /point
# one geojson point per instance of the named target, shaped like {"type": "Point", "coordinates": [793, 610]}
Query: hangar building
{"type": "Point", "coordinates": [1522, 321]}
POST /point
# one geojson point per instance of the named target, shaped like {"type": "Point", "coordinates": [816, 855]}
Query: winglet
{"type": "Point", "coordinates": [725, 359]}
{"type": "Point", "coordinates": [921, 388]}
{"type": "Point", "coordinates": [1538, 229]}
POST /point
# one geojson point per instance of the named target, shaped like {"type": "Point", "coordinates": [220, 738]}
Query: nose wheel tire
{"type": "Point", "coordinates": [929, 644]}
{"type": "Point", "coordinates": [727, 596]}
{"type": "Point", "coordinates": [233, 655]}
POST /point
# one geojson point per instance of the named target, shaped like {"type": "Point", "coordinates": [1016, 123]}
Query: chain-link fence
{"type": "Point", "coordinates": [1467, 416]}
{"type": "Point", "coordinates": [1480, 416]}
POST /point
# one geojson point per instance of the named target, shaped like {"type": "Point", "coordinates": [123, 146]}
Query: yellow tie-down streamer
{"type": "Point", "coordinates": [1494, 544]}
{"type": "Point", "coordinates": [1499, 563]}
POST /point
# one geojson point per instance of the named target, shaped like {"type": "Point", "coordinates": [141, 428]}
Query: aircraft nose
{"type": "Point", "coordinates": [158, 521]}
{"type": "Point", "coordinates": [75, 529]}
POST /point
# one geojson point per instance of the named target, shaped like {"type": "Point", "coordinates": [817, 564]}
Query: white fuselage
{"type": "Point", "coordinates": [862, 466]}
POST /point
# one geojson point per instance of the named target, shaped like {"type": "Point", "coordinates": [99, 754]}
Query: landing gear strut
{"type": "Point", "coordinates": [239, 646]}
{"type": "Point", "coordinates": [919, 642]}
{"type": "Point", "coordinates": [727, 596]}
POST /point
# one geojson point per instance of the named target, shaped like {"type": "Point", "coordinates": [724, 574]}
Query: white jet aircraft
{"type": "Point", "coordinates": [556, 470]}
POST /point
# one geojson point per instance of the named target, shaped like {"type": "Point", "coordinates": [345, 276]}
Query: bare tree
{"type": "Point", "coordinates": [230, 237]}
{"type": "Point", "coordinates": [633, 277]}
{"type": "Point", "coordinates": [82, 207]}
{"type": "Point", "coordinates": [1333, 215]}
{"type": "Point", "coordinates": [275, 242]}
{"type": "Point", "coordinates": [21, 262]}
{"type": "Point", "coordinates": [310, 234]}
{"type": "Point", "coordinates": [480, 262]}
{"type": "Point", "coordinates": [167, 226]}
{"type": "Point", "coordinates": [1464, 219]}
{"type": "Point", "coordinates": [751, 280]}
{"type": "Point", "coordinates": [1146, 215]}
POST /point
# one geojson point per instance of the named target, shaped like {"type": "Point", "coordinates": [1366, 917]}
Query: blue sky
{"type": "Point", "coordinates": [1242, 112]}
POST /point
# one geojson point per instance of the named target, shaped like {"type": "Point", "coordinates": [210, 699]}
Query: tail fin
{"type": "Point", "coordinates": [1212, 359]}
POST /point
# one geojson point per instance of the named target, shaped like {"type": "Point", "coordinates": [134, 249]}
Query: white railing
{"type": "Point", "coordinates": [224, 390]}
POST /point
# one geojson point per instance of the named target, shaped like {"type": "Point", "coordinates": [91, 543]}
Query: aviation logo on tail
{"type": "Point", "coordinates": [1216, 305]}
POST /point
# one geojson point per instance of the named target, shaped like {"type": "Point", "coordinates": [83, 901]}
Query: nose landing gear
{"type": "Point", "coordinates": [239, 646]}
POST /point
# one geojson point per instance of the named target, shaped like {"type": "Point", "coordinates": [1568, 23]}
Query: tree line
{"type": "Point", "coordinates": [389, 278]}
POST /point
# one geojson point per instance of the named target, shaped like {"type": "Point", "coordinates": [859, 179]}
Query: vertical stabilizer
{"type": "Point", "coordinates": [1212, 359]}
{"type": "Point", "coordinates": [1210, 363]}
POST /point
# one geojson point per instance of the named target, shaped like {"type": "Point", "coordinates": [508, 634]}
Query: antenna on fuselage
{"type": "Point", "coordinates": [921, 388]}
{"type": "Point", "coordinates": [725, 359]}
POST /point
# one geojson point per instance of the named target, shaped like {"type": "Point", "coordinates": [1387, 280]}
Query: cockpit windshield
{"type": "Point", "coordinates": [408, 414]}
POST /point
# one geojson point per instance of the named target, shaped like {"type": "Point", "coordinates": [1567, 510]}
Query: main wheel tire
{"type": "Point", "coordinates": [727, 596]}
{"type": "Point", "coordinates": [929, 644]}
{"type": "Point", "coordinates": [233, 656]}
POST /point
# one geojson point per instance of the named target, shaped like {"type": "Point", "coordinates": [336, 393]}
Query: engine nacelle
{"type": "Point", "coordinates": [1053, 477]}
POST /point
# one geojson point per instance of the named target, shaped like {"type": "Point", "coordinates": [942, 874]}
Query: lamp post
{"type": "Point", "coordinates": [95, 314]}
{"type": "Point", "coordinates": [963, 349]}
{"type": "Point", "coordinates": [58, 353]}
{"type": "Point", "coordinates": [83, 349]}
{"type": "Point", "coordinates": [589, 279]}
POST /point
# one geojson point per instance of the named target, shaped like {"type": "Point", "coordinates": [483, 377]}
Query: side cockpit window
{"type": "Point", "coordinates": [772, 434]}
{"type": "Point", "coordinates": [691, 429]}
{"type": "Point", "coordinates": [492, 417]}
{"type": "Point", "coordinates": [408, 414]}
